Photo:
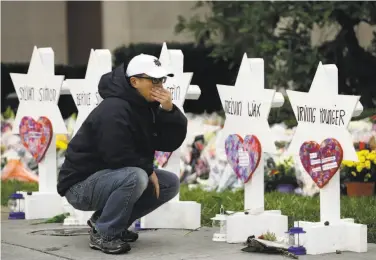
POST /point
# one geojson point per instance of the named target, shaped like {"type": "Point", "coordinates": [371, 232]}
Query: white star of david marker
{"type": "Point", "coordinates": [322, 113]}
{"type": "Point", "coordinates": [38, 92]}
{"type": "Point", "coordinates": [247, 104]}
{"type": "Point", "coordinates": [85, 91]}
{"type": "Point", "coordinates": [179, 84]}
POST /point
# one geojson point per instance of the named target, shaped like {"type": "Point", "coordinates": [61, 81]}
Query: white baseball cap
{"type": "Point", "coordinates": [147, 64]}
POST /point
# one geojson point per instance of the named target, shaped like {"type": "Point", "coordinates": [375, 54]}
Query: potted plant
{"type": "Point", "coordinates": [282, 176]}
{"type": "Point", "coordinates": [360, 177]}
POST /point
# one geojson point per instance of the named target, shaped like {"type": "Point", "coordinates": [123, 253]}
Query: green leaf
{"type": "Point", "coordinates": [244, 30]}
{"type": "Point", "coordinates": [250, 26]}
{"type": "Point", "coordinates": [233, 19]}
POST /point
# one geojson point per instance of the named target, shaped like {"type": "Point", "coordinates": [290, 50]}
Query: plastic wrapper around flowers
{"type": "Point", "coordinates": [363, 130]}
{"type": "Point", "coordinates": [212, 171]}
{"type": "Point", "coordinates": [16, 162]}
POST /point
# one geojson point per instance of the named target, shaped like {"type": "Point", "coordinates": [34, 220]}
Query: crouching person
{"type": "Point", "coordinates": [108, 165]}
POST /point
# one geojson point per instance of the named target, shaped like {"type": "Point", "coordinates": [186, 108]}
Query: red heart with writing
{"type": "Point", "coordinates": [161, 158]}
{"type": "Point", "coordinates": [321, 161]}
{"type": "Point", "coordinates": [243, 155]}
{"type": "Point", "coordinates": [36, 136]}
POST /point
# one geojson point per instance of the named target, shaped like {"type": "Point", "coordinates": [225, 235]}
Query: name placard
{"type": "Point", "coordinates": [321, 115]}
{"type": "Point", "coordinates": [28, 93]}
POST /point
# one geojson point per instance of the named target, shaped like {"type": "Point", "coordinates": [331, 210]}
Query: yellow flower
{"type": "Point", "coordinates": [359, 168]}
{"type": "Point", "coordinates": [371, 156]}
{"type": "Point", "coordinates": [353, 173]}
{"type": "Point", "coordinates": [348, 163]}
{"type": "Point", "coordinates": [368, 164]}
{"type": "Point", "coordinates": [365, 152]}
{"type": "Point", "coordinates": [362, 158]}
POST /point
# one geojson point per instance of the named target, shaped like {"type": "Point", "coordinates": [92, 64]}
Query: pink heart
{"type": "Point", "coordinates": [321, 161]}
{"type": "Point", "coordinates": [244, 169]}
{"type": "Point", "coordinates": [161, 158]}
{"type": "Point", "coordinates": [36, 136]}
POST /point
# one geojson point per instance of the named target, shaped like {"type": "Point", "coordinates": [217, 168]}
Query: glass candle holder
{"type": "Point", "coordinates": [16, 206]}
{"type": "Point", "coordinates": [294, 241]}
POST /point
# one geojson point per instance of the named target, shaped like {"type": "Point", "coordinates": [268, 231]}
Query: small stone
{"type": "Point", "coordinates": [338, 252]}
{"type": "Point", "coordinates": [246, 212]}
{"type": "Point", "coordinates": [326, 223]}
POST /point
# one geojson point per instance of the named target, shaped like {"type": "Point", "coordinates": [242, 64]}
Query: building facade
{"type": "Point", "coordinates": [72, 28]}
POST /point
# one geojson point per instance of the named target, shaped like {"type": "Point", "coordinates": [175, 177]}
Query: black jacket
{"type": "Point", "coordinates": [124, 130]}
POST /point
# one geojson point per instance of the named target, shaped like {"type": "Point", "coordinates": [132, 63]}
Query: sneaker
{"type": "Point", "coordinates": [125, 236]}
{"type": "Point", "coordinates": [114, 246]}
{"type": "Point", "coordinates": [128, 236]}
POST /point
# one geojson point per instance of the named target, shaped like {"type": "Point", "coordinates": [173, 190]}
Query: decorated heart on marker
{"type": "Point", "coordinates": [36, 136]}
{"type": "Point", "coordinates": [321, 161]}
{"type": "Point", "coordinates": [161, 158]}
{"type": "Point", "coordinates": [243, 155]}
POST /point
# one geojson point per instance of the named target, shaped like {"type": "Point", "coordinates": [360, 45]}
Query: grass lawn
{"type": "Point", "coordinates": [363, 210]}
{"type": "Point", "coordinates": [9, 187]}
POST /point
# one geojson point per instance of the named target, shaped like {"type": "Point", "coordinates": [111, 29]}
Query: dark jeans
{"type": "Point", "coordinates": [121, 196]}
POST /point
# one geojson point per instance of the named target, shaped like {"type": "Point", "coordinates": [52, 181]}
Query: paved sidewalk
{"type": "Point", "coordinates": [22, 240]}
